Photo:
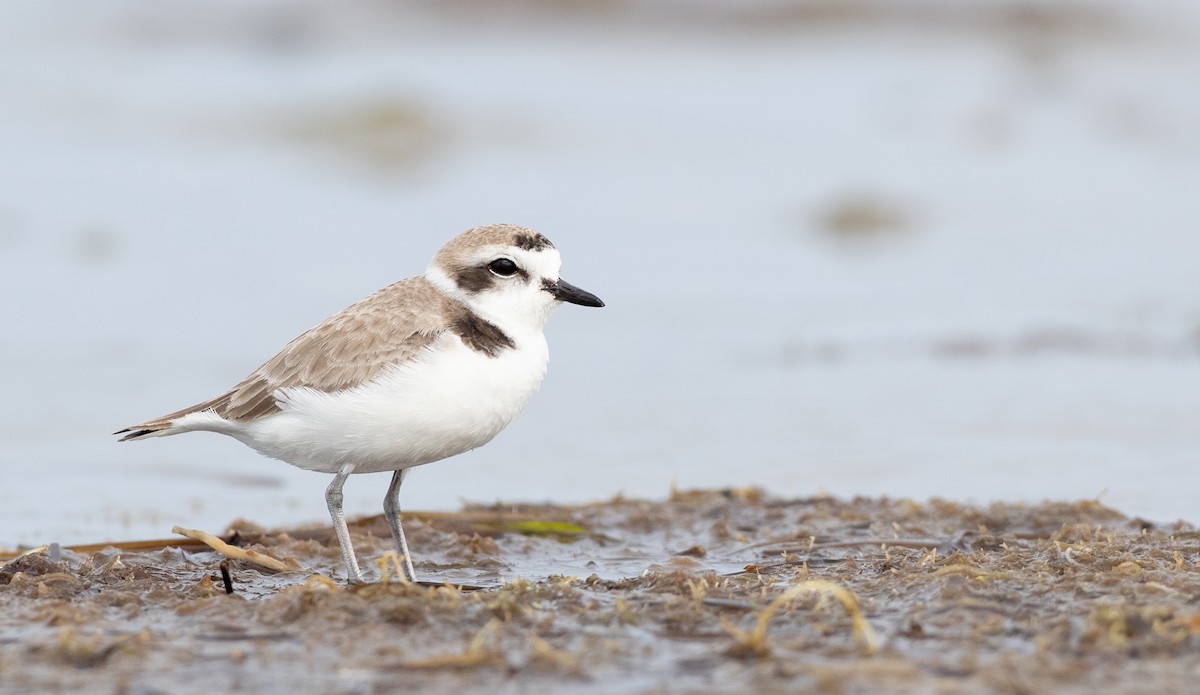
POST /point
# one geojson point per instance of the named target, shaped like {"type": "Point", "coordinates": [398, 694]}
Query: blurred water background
{"type": "Point", "coordinates": [907, 248]}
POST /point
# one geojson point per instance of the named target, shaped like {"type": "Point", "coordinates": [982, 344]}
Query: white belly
{"type": "Point", "coordinates": [453, 399]}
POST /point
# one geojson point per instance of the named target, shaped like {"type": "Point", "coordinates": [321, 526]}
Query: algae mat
{"type": "Point", "coordinates": [723, 591]}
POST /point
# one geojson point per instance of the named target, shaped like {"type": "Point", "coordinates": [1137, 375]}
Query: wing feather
{"type": "Point", "coordinates": [350, 348]}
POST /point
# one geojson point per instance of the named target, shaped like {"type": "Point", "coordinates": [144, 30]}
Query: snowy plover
{"type": "Point", "coordinates": [423, 369]}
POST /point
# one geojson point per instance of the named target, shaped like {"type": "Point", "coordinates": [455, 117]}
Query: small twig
{"type": "Point", "coordinates": [32, 551]}
{"type": "Point", "coordinates": [236, 553]}
{"type": "Point", "coordinates": [225, 577]}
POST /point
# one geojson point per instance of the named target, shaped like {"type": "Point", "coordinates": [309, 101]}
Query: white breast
{"type": "Point", "coordinates": [450, 400]}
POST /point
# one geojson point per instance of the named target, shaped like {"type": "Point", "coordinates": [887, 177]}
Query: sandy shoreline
{"type": "Point", "coordinates": [637, 596]}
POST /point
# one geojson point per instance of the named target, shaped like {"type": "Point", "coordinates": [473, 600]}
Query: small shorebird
{"type": "Point", "coordinates": [423, 369]}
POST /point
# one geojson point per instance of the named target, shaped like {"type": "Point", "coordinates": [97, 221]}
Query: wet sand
{"type": "Point", "coordinates": [710, 591]}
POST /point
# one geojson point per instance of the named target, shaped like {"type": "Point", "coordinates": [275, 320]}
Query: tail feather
{"type": "Point", "coordinates": [141, 431]}
{"type": "Point", "coordinates": [165, 425]}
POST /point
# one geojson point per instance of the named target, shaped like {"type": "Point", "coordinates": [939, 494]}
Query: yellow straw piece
{"type": "Point", "coordinates": [388, 563]}
{"type": "Point", "coordinates": [756, 640]}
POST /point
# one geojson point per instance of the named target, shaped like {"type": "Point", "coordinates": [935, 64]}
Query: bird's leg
{"type": "Point", "coordinates": [391, 510]}
{"type": "Point", "coordinates": [333, 498]}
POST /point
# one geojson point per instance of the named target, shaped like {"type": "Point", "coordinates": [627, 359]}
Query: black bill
{"type": "Point", "coordinates": [564, 291]}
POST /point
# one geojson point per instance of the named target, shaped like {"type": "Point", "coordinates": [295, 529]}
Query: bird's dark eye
{"type": "Point", "coordinates": [503, 267]}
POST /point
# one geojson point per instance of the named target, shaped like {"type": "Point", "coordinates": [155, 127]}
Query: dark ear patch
{"type": "Point", "coordinates": [532, 242]}
{"type": "Point", "coordinates": [478, 334]}
{"type": "Point", "coordinates": [474, 279]}
{"type": "Point", "coordinates": [479, 278]}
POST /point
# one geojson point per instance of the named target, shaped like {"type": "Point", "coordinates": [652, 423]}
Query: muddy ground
{"type": "Point", "coordinates": [721, 591]}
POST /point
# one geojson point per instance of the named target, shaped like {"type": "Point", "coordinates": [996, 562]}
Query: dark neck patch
{"type": "Point", "coordinates": [478, 334]}
{"type": "Point", "coordinates": [532, 242]}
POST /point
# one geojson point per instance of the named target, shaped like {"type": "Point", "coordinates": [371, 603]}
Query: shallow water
{"type": "Point", "coordinates": [855, 254]}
